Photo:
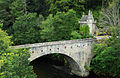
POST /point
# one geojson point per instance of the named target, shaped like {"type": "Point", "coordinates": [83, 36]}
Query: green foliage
{"type": "Point", "coordinates": [75, 35]}
{"type": "Point", "coordinates": [96, 13]}
{"type": "Point", "coordinates": [26, 29]}
{"type": "Point", "coordinates": [65, 5]}
{"type": "Point", "coordinates": [38, 6]}
{"type": "Point", "coordinates": [13, 63]}
{"type": "Point", "coordinates": [87, 68]}
{"type": "Point", "coordinates": [60, 26]}
{"type": "Point", "coordinates": [82, 33]}
{"type": "Point", "coordinates": [4, 40]}
{"type": "Point", "coordinates": [16, 64]}
{"type": "Point", "coordinates": [107, 61]}
{"type": "Point", "coordinates": [110, 16]}
{"type": "Point", "coordinates": [85, 30]}
{"type": "Point", "coordinates": [5, 15]}
{"type": "Point", "coordinates": [4, 44]}
{"type": "Point", "coordinates": [10, 9]}
{"type": "Point", "coordinates": [18, 8]}
{"type": "Point", "coordinates": [1, 25]}
{"type": "Point", "coordinates": [47, 32]}
{"type": "Point", "coordinates": [93, 4]}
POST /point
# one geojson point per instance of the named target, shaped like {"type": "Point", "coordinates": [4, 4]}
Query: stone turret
{"type": "Point", "coordinates": [88, 20]}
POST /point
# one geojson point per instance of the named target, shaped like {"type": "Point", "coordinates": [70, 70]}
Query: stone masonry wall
{"type": "Point", "coordinates": [79, 50]}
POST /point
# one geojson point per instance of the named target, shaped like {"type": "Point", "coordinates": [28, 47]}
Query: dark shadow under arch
{"type": "Point", "coordinates": [54, 60]}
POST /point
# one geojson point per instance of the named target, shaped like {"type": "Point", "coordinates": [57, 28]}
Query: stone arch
{"type": "Point", "coordinates": [79, 51]}
{"type": "Point", "coordinates": [73, 65]}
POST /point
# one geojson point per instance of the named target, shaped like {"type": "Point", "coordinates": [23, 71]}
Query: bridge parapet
{"type": "Point", "coordinates": [55, 43]}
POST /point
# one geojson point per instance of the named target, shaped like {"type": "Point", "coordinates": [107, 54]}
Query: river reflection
{"type": "Point", "coordinates": [47, 68]}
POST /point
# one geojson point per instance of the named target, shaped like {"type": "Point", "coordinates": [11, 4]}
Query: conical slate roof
{"type": "Point", "coordinates": [86, 18]}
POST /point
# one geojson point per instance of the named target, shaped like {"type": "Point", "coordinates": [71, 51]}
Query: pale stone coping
{"type": "Point", "coordinates": [82, 22]}
{"type": "Point", "coordinates": [54, 43]}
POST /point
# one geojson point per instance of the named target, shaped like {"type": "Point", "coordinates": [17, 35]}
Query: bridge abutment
{"type": "Point", "coordinates": [82, 63]}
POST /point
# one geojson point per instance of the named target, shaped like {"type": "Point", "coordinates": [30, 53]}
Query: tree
{"type": "Point", "coordinates": [16, 64]}
{"type": "Point", "coordinates": [75, 35]}
{"type": "Point", "coordinates": [26, 29]}
{"type": "Point", "coordinates": [82, 33]}
{"type": "Point", "coordinates": [10, 10]}
{"type": "Point", "coordinates": [5, 15]}
{"type": "Point", "coordinates": [60, 26]}
{"type": "Point", "coordinates": [93, 4]}
{"type": "Point", "coordinates": [4, 40]}
{"type": "Point", "coordinates": [84, 30]}
{"type": "Point", "coordinates": [13, 63]}
{"type": "Point", "coordinates": [4, 44]}
{"type": "Point", "coordinates": [107, 61]}
{"type": "Point", "coordinates": [65, 5]}
{"type": "Point", "coordinates": [38, 6]}
{"type": "Point", "coordinates": [18, 8]}
{"type": "Point", "coordinates": [47, 32]}
{"type": "Point", "coordinates": [111, 15]}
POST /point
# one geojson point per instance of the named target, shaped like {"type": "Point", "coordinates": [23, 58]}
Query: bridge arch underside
{"type": "Point", "coordinates": [71, 61]}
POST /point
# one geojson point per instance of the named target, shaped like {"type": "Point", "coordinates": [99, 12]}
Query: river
{"type": "Point", "coordinates": [45, 67]}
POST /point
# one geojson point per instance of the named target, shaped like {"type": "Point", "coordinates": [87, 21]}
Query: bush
{"type": "Point", "coordinates": [26, 29]}
{"type": "Point", "coordinates": [82, 33]}
{"type": "Point", "coordinates": [4, 40]}
{"type": "Point", "coordinates": [59, 26]}
{"type": "Point", "coordinates": [13, 63]}
{"type": "Point", "coordinates": [16, 64]}
{"type": "Point", "coordinates": [107, 57]}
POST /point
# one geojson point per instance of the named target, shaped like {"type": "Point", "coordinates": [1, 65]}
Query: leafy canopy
{"type": "Point", "coordinates": [16, 64]}
{"type": "Point", "coordinates": [107, 61]}
{"type": "Point", "coordinates": [4, 40]}
{"type": "Point", "coordinates": [65, 5]}
{"type": "Point", "coordinates": [59, 26]}
{"type": "Point", "coordinates": [13, 63]}
{"type": "Point", "coordinates": [26, 29]}
{"type": "Point", "coordinates": [82, 33]}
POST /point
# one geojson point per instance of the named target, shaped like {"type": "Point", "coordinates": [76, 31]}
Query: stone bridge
{"type": "Point", "coordinates": [77, 52]}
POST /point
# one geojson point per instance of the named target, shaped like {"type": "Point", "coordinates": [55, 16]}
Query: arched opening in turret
{"type": "Point", "coordinates": [50, 65]}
